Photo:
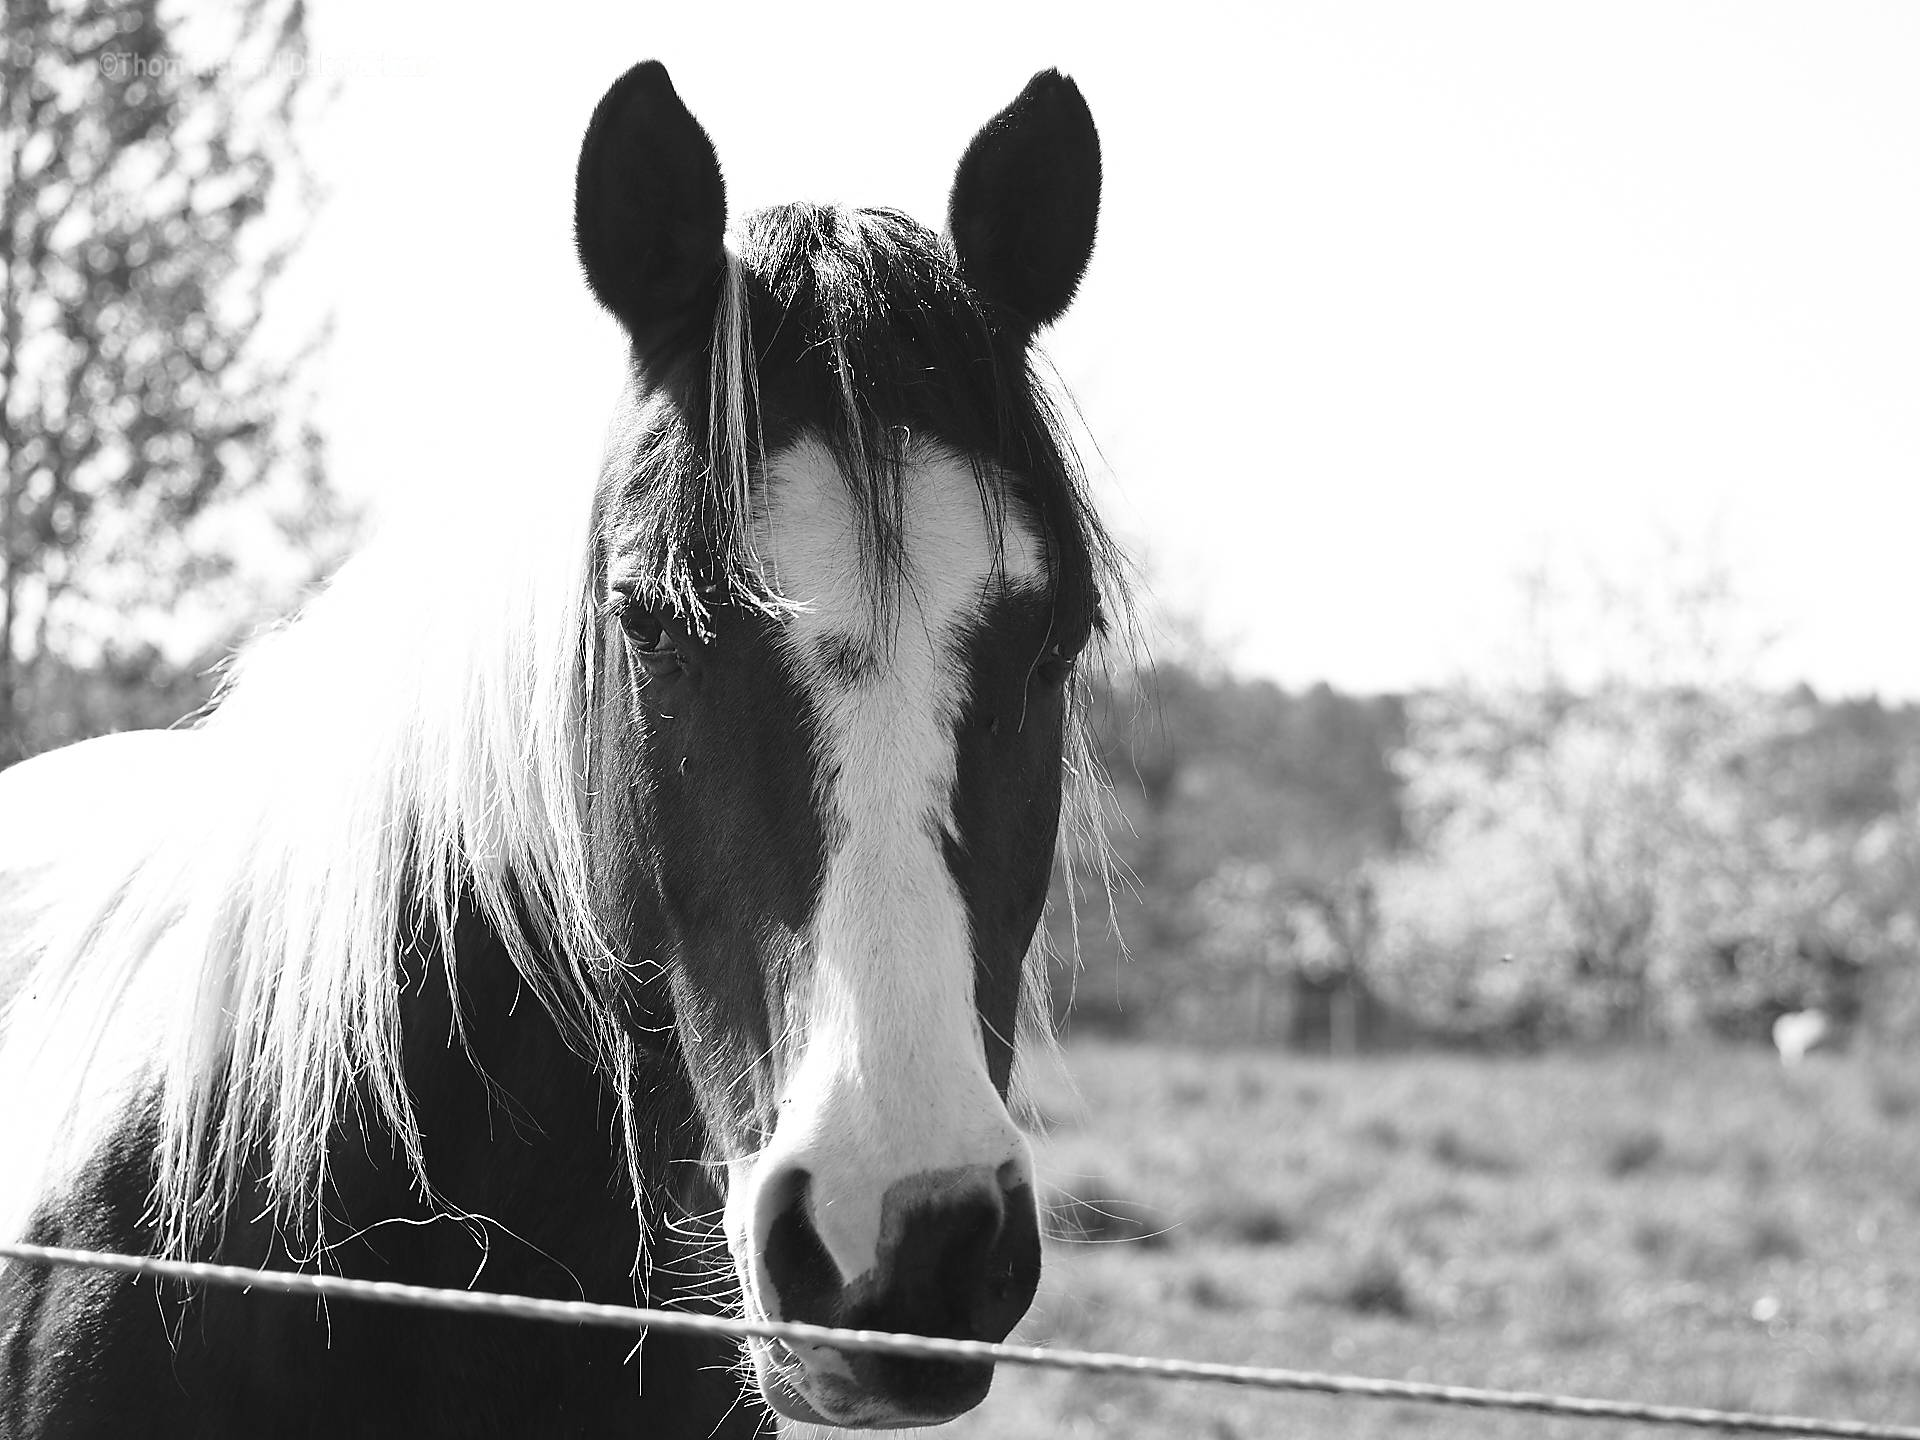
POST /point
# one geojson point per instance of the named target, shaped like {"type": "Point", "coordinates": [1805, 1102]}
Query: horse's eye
{"type": "Point", "coordinates": [652, 645]}
{"type": "Point", "coordinates": [1055, 666]}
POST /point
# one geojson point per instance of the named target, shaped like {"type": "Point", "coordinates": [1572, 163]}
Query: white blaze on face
{"type": "Point", "coordinates": [887, 1077]}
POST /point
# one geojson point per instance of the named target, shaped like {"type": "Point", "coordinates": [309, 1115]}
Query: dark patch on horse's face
{"type": "Point", "coordinates": [712, 785]}
{"type": "Point", "coordinates": [846, 662]}
{"type": "Point", "coordinates": [1006, 805]}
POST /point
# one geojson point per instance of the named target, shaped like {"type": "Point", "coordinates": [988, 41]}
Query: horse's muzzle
{"type": "Point", "coordinates": [959, 1258]}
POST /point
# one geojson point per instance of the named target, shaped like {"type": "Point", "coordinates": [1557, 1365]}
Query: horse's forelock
{"type": "Point", "coordinates": [827, 324]}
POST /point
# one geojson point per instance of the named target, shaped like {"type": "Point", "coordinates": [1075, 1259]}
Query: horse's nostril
{"type": "Point", "coordinates": [939, 1261]}
{"type": "Point", "coordinates": [964, 1264]}
{"type": "Point", "coordinates": [1011, 1269]}
{"type": "Point", "coordinates": [804, 1277]}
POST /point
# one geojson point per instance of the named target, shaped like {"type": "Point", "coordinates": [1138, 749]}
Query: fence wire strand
{"type": "Point", "coordinates": [624, 1317]}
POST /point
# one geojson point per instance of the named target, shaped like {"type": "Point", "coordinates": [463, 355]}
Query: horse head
{"type": "Point", "coordinates": [844, 570]}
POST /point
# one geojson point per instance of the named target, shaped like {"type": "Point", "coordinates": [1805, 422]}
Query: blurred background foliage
{"type": "Point", "coordinates": [162, 488]}
{"type": "Point", "coordinates": [1650, 847]}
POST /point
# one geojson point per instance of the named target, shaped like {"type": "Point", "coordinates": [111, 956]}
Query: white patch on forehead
{"type": "Point", "coordinates": [816, 548]}
{"type": "Point", "coordinates": [891, 1079]}
{"type": "Point", "coordinates": [895, 710]}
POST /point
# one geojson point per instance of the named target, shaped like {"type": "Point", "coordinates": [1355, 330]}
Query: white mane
{"type": "Point", "coordinates": [412, 738]}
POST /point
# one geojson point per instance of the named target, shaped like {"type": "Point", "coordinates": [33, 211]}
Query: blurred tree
{"type": "Point", "coordinates": [157, 483]}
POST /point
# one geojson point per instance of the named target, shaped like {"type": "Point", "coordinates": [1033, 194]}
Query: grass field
{"type": "Point", "coordinates": [1690, 1226]}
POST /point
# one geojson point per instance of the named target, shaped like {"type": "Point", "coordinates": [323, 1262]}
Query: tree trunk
{"type": "Point", "coordinates": [11, 478]}
{"type": "Point", "coordinates": [1343, 1020]}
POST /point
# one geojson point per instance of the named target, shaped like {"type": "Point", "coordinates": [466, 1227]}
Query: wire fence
{"type": "Point", "coordinates": [623, 1317]}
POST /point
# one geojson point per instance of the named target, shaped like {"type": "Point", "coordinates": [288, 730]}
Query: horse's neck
{"type": "Point", "coordinates": [531, 1189]}
{"type": "Point", "coordinates": [532, 1198]}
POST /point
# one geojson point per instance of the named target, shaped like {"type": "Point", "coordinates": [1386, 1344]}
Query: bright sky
{"type": "Point", "coordinates": [1392, 301]}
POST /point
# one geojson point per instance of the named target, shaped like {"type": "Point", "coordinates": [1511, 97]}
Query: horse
{"type": "Point", "coordinates": [641, 905]}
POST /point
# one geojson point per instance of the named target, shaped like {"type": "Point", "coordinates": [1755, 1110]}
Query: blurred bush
{"type": "Point", "coordinates": [1658, 847]}
{"type": "Point", "coordinates": [1643, 861]}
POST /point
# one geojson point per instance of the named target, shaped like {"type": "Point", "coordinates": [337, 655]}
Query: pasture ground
{"type": "Point", "coordinates": [1689, 1226]}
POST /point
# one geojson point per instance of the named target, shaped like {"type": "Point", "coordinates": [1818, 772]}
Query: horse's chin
{"type": "Point", "coordinates": [810, 1390]}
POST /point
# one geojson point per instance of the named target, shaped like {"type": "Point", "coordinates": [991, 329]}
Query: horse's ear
{"type": "Point", "coordinates": [650, 210]}
{"type": "Point", "coordinates": [1026, 199]}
